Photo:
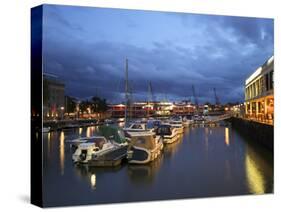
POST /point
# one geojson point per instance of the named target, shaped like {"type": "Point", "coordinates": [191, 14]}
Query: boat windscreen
{"type": "Point", "coordinates": [114, 133]}
{"type": "Point", "coordinates": [150, 125]}
{"type": "Point", "coordinates": [164, 130]}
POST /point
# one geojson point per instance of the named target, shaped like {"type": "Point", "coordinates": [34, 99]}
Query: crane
{"type": "Point", "coordinates": [194, 96]}
{"type": "Point", "coordinates": [217, 102]}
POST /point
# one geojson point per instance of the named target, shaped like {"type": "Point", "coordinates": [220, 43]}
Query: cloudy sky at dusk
{"type": "Point", "coordinates": [86, 48]}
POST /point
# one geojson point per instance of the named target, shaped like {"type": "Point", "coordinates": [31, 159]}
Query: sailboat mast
{"type": "Point", "coordinates": [126, 90]}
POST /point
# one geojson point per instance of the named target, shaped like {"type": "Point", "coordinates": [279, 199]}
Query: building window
{"type": "Point", "coordinates": [271, 80]}
{"type": "Point", "coordinates": [266, 82]}
{"type": "Point", "coordinates": [262, 84]}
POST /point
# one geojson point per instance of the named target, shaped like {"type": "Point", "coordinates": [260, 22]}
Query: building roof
{"type": "Point", "coordinates": [259, 70]}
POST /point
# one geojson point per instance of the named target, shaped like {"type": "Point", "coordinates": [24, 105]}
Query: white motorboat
{"type": "Point", "coordinates": [92, 148]}
{"type": "Point", "coordinates": [177, 125]}
{"type": "Point", "coordinates": [144, 147]}
{"type": "Point", "coordinates": [137, 127]}
{"type": "Point", "coordinates": [168, 133]}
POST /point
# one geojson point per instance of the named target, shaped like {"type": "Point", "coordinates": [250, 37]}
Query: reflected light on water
{"type": "Point", "coordinates": [62, 152]}
{"type": "Point", "coordinates": [207, 138]}
{"type": "Point", "coordinates": [48, 143]}
{"type": "Point", "coordinates": [93, 181]}
{"type": "Point", "coordinates": [90, 131]}
{"type": "Point", "coordinates": [227, 136]}
{"type": "Point", "coordinates": [256, 181]}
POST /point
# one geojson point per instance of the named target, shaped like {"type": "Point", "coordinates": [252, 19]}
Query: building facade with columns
{"type": "Point", "coordinates": [259, 93]}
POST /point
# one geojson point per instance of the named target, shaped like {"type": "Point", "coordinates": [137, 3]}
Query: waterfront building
{"type": "Point", "coordinates": [259, 93]}
{"type": "Point", "coordinates": [183, 108]}
{"type": "Point", "coordinates": [117, 110]}
{"type": "Point", "coordinates": [164, 108]}
{"type": "Point", "coordinates": [141, 109]}
{"type": "Point", "coordinates": [53, 96]}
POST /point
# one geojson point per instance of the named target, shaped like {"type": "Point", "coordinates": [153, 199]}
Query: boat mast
{"type": "Point", "coordinates": [149, 98]}
{"type": "Point", "coordinates": [195, 99]}
{"type": "Point", "coordinates": [126, 90]}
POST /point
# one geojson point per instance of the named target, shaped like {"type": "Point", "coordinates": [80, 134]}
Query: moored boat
{"type": "Point", "coordinates": [168, 133]}
{"type": "Point", "coordinates": [177, 125]}
{"type": "Point", "coordinates": [137, 127]}
{"type": "Point", "coordinates": [144, 147]}
{"type": "Point", "coordinates": [93, 148]}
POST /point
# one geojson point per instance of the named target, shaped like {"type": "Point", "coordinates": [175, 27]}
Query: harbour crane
{"type": "Point", "coordinates": [126, 89]}
{"type": "Point", "coordinates": [194, 96]}
{"type": "Point", "coordinates": [217, 102]}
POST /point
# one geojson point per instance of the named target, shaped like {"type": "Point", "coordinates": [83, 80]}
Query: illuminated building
{"type": "Point", "coordinates": [141, 109]}
{"type": "Point", "coordinates": [53, 96]}
{"type": "Point", "coordinates": [183, 108]}
{"type": "Point", "coordinates": [259, 98]}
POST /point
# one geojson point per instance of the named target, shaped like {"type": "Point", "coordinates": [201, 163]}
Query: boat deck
{"type": "Point", "coordinates": [110, 159]}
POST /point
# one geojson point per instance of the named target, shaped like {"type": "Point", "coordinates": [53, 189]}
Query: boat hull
{"type": "Point", "coordinates": [170, 139]}
{"type": "Point", "coordinates": [138, 155]}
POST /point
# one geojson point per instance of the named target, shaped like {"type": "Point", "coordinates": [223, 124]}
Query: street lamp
{"type": "Point", "coordinates": [62, 112]}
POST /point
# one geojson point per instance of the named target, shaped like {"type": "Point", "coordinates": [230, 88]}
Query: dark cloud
{"type": "Point", "coordinates": [212, 51]}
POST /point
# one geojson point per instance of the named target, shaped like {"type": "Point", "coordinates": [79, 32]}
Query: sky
{"type": "Point", "coordinates": [87, 47]}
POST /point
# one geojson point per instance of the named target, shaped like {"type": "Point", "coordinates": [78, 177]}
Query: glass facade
{"type": "Point", "coordinates": [259, 98]}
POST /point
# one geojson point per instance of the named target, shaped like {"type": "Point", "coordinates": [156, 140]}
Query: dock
{"type": "Point", "coordinates": [110, 159]}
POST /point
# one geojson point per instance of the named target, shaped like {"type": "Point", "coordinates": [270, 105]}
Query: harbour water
{"type": "Point", "coordinates": [205, 162]}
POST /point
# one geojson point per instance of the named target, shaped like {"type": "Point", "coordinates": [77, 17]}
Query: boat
{"type": "Point", "coordinates": [197, 118]}
{"type": "Point", "coordinates": [87, 149]}
{"type": "Point", "coordinates": [46, 129]}
{"type": "Point", "coordinates": [109, 121]}
{"type": "Point", "coordinates": [177, 125]}
{"type": "Point", "coordinates": [153, 124]}
{"type": "Point", "coordinates": [137, 127]}
{"type": "Point", "coordinates": [168, 133]}
{"type": "Point", "coordinates": [92, 147]}
{"type": "Point", "coordinates": [144, 147]}
{"type": "Point", "coordinates": [186, 122]}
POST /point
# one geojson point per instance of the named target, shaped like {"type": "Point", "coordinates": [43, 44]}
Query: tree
{"type": "Point", "coordinates": [98, 105]}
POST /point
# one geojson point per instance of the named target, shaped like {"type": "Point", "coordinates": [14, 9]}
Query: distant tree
{"type": "Point", "coordinates": [98, 105]}
{"type": "Point", "coordinates": [84, 105]}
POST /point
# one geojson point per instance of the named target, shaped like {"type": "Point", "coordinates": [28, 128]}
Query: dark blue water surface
{"type": "Point", "coordinates": [205, 162]}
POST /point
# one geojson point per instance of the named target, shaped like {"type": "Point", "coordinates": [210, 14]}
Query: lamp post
{"type": "Point", "coordinates": [62, 112]}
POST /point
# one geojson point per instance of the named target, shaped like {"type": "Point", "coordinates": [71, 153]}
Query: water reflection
{"type": "Point", "coordinates": [255, 178]}
{"type": "Point", "coordinates": [171, 149]}
{"type": "Point", "coordinates": [90, 131]}
{"type": "Point", "coordinates": [62, 152]}
{"type": "Point", "coordinates": [93, 181]}
{"type": "Point", "coordinates": [93, 174]}
{"type": "Point", "coordinates": [49, 145]}
{"type": "Point", "coordinates": [185, 169]}
{"type": "Point", "coordinates": [37, 136]}
{"type": "Point", "coordinates": [226, 136]}
{"type": "Point", "coordinates": [207, 139]}
{"type": "Point", "coordinates": [144, 174]}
